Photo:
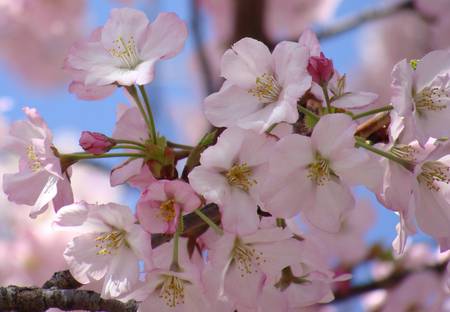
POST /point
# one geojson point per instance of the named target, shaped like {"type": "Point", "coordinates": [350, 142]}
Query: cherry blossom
{"type": "Point", "coordinates": [313, 175]}
{"type": "Point", "coordinates": [40, 179]}
{"type": "Point", "coordinates": [109, 247]}
{"type": "Point", "coordinates": [162, 204]}
{"type": "Point", "coordinates": [229, 175]}
{"type": "Point", "coordinates": [421, 96]}
{"type": "Point", "coordinates": [261, 89]}
{"type": "Point", "coordinates": [127, 48]}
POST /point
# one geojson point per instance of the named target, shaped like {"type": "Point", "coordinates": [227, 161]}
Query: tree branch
{"type": "Point", "coordinates": [352, 22]}
{"type": "Point", "coordinates": [33, 299]}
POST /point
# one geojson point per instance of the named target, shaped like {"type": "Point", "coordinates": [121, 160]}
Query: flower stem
{"type": "Point", "coordinates": [306, 111]}
{"type": "Point", "coordinates": [79, 156]}
{"type": "Point", "coordinates": [182, 146]}
{"type": "Point", "coordinates": [124, 146]}
{"type": "Point", "coordinates": [128, 142]}
{"type": "Point", "coordinates": [175, 265]}
{"type": "Point", "coordinates": [150, 113]}
{"type": "Point", "coordinates": [133, 92]}
{"type": "Point", "coordinates": [327, 97]}
{"type": "Point", "coordinates": [361, 142]}
{"type": "Point", "coordinates": [208, 221]}
{"type": "Point", "coordinates": [373, 111]}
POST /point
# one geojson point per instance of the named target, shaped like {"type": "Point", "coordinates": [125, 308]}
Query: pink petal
{"type": "Point", "coordinates": [239, 213]}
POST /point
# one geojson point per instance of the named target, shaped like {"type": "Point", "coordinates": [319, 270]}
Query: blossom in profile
{"type": "Point", "coordinates": [421, 97]}
{"type": "Point", "coordinates": [40, 179]}
{"type": "Point", "coordinates": [261, 89]}
{"type": "Point", "coordinates": [95, 143]}
{"type": "Point", "coordinates": [124, 51]}
{"type": "Point", "coordinates": [109, 247]}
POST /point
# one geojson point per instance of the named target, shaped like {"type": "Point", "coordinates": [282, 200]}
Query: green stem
{"type": "Point", "coordinates": [373, 111]}
{"type": "Point", "coordinates": [182, 146]}
{"type": "Point", "coordinates": [208, 221]}
{"type": "Point", "coordinates": [129, 147]}
{"type": "Point", "coordinates": [79, 156]}
{"type": "Point", "coordinates": [133, 92]}
{"type": "Point", "coordinates": [361, 142]}
{"type": "Point", "coordinates": [327, 97]}
{"type": "Point", "coordinates": [128, 142]}
{"type": "Point", "coordinates": [306, 111]}
{"type": "Point", "coordinates": [150, 113]}
{"type": "Point", "coordinates": [175, 265]}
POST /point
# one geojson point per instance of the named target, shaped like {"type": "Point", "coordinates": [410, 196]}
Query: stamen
{"type": "Point", "coordinates": [33, 161]}
{"type": "Point", "coordinates": [172, 291]}
{"type": "Point", "coordinates": [247, 258]}
{"type": "Point", "coordinates": [433, 172]}
{"type": "Point", "coordinates": [110, 241]}
{"type": "Point", "coordinates": [319, 171]}
{"type": "Point", "coordinates": [267, 89]}
{"type": "Point", "coordinates": [167, 210]}
{"type": "Point", "coordinates": [239, 175]}
{"type": "Point", "coordinates": [126, 52]}
{"type": "Point", "coordinates": [431, 99]}
{"type": "Point", "coordinates": [405, 152]}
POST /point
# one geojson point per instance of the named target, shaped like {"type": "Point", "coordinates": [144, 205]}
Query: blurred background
{"type": "Point", "coordinates": [35, 36]}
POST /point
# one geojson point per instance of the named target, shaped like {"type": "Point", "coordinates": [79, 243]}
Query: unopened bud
{"type": "Point", "coordinates": [95, 143]}
{"type": "Point", "coordinates": [320, 68]}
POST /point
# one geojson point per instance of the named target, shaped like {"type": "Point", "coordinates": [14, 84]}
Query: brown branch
{"type": "Point", "coordinates": [33, 299]}
{"type": "Point", "coordinates": [391, 281]}
{"type": "Point", "coordinates": [378, 123]}
{"type": "Point", "coordinates": [352, 22]}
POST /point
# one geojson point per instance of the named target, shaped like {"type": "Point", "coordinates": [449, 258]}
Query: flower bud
{"type": "Point", "coordinates": [95, 143]}
{"type": "Point", "coordinates": [320, 68]}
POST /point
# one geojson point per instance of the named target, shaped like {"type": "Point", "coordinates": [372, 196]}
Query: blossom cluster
{"type": "Point", "coordinates": [287, 147]}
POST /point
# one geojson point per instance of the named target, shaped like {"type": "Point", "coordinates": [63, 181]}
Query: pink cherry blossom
{"type": "Point", "coordinates": [230, 174]}
{"type": "Point", "coordinates": [109, 246]}
{"type": "Point", "coordinates": [168, 290]}
{"type": "Point", "coordinates": [131, 126]}
{"type": "Point", "coordinates": [313, 174]}
{"type": "Point", "coordinates": [163, 203]}
{"type": "Point", "coordinates": [95, 143]}
{"type": "Point", "coordinates": [261, 89]}
{"type": "Point", "coordinates": [252, 261]}
{"type": "Point", "coordinates": [39, 180]}
{"type": "Point", "coordinates": [421, 97]}
{"type": "Point", "coordinates": [127, 48]}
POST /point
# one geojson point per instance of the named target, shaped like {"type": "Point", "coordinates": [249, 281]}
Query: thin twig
{"type": "Point", "coordinates": [352, 22]}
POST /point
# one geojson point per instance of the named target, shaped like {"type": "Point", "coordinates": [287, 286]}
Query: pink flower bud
{"type": "Point", "coordinates": [95, 143]}
{"type": "Point", "coordinates": [320, 68]}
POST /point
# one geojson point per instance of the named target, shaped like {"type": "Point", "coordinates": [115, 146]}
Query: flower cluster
{"type": "Point", "coordinates": [287, 147]}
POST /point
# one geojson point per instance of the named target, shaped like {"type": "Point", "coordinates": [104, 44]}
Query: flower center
{"type": "Point", "coordinates": [246, 258]}
{"type": "Point", "coordinates": [319, 171]}
{"type": "Point", "coordinates": [172, 291]}
{"type": "Point", "coordinates": [433, 172]}
{"type": "Point", "coordinates": [267, 89]}
{"type": "Point", "coordinates": [33, 161]}
{"type": "Point", "coordinates": [239, 175]}
{"type": "Point", "coordinates": [167, 210]}
{"type": "Point", "coordinates": [126, 52]}
{"type": "Point", "coordinates": [405, 152]}
{"type": "Point", "coordinates": [110, 241]}
{"type": "Point", "coordinates": [431, 99]}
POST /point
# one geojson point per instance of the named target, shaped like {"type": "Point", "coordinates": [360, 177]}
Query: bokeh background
{"type": "Point", "coordinates": [35, 36]}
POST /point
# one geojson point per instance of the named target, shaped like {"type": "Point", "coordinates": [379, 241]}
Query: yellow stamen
{"type": "Point", "coordinates": [431, 99]}
{"type": "Point", "coordinates": [109, 242]}
{"type": "Point", "coordinates": [172, 291]}
{"type": "Point", "coordinates": [433, 172]}
{"type": "Point", "coordinates": [33, 161]}
{"type": "Point", "coordinates": [267, 89]}
{"type": "Point", "coordinates": [167, 210]}
{"type": "Point", "coordinates": [126, 52]}
{"type": "Point", "coordinates": [405, 152]}
{"type": "Point", "coordinates": [240, 175]}
{"type": "Point", "coordinates": [319, 171]}
{"type": "Point", "coordinates": [247, 258]}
